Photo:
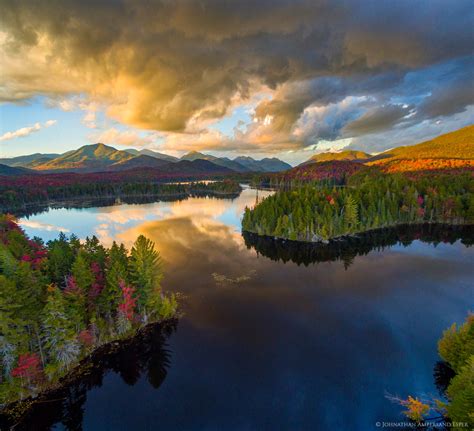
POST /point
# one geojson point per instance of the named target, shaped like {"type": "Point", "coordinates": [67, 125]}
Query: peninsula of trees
{"type": "Point", "coordinates": [370, 200]}
{"type": "Point", "coordinates": [61, 300]}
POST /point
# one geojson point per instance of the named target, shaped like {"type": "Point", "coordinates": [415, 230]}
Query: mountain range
{"type": "Point", "coordinates": [457, 145]}
{"type": "Point", "coordinates": [452, 151]}
{"type": "Point", "coordinates": [103, 158]}
{"type": "Point", "coordinates": [449, 151]}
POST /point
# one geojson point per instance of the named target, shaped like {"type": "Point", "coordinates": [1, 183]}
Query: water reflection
{"type": "Point", "coordinates": [32, 210]}
{"type": "Point", "coordinates": [109, 220]}
{"type": "Point", "coordinates": [144, 357]}
{"type": "Point", "coordinates": [442, 374]}
{"type": "Point", "coordinates": [347, 249]}
{"type": "Point", "coordinates": [269, 343]}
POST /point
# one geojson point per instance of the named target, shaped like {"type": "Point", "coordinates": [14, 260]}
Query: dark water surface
{"type": "Point", "coordinates": [269, 340]}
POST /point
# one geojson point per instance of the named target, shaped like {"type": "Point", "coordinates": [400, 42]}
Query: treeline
{"type": "Point", "coordinates": [18, 194]}
{"type": "Point", "coordinates": [61, 300]}
{"type": "Point", "coordinates": [225, 187]}
{"type": "Point", "coordinates": [370, 201]}
{"type": "Point", "coordinates": [456, 348]}
{"type": "Point", "coordinates": [330, 173]}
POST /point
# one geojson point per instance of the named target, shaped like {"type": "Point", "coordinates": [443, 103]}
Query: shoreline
{"type": "Point", "coordinates": [112, 200]}
{"type": "Point", "coordinates": [14, 411]}
{"type": "Point", "coordinates": [358, 235]}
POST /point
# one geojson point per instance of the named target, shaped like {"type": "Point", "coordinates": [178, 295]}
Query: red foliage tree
{"type": "Point", "coordinates": [71, 286]}
{"type": "Point", "coordinates": [99, 281]}
{"type": "Point", "coordinates": [129, 302]}
{"type": "Point", "coordinates": [86, 337]}
{"type": "Point", "coordinates": [28, 367]}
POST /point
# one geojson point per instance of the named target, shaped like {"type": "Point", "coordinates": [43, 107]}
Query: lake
{"type": "Point", "coordinates": [273, 336]}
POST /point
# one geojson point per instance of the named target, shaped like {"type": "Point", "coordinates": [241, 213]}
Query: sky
{"type": "Point", "coordinates": [279, 78]}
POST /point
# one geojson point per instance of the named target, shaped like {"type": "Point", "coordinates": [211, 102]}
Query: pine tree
{"type": "Point", "coordinates": [95, 250]}
{"type": "Point", "coordinates": [60, 260]}
{"type": "Point", "coordinates": [58, 333]}
{"type": "Point", "coordinates": [117, 272]}
{"type": "Point", "coordinates": [82, 272]}
{"type": "Point", "coordinates": [146, 275]}
{"type": "Point", "coordinates": [350, 213]}
{"type": "Point", "coordinates": [13, 336]}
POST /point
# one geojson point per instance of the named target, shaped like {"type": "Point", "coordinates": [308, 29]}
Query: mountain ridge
{"type": "Point", "coordinates": [449, 152]}
{"type": "Point", "coordinates": [345, 155]}
{"type": "Point", "coordinates": [100, 157]}
{"type": "Point", "coordinates": [87, 157]}
{"type": "Point", "coordinates": [446, 146]}
{"type": "Point", "coordinates": [151, 153]}
{"type": "Point", "coordinates": [15, 171]}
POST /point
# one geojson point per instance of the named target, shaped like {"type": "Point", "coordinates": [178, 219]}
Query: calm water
{"type": "Point", "coordinates": [264, 344]}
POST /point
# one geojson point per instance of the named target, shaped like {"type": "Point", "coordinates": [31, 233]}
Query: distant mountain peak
{"type": "Point", "coordinates": [151, 153]}
{"type": "Point", "coordinates": [194, 155]}
{"type": "Point", "coordinates": [344, 155]}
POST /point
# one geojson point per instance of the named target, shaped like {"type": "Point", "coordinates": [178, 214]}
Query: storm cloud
{"type": "Point", "coordinates": [325, 69]}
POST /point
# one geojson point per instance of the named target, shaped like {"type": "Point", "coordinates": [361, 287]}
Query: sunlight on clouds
{"type": "Point", "coordinates": [191, 65]}
{"type": "Point", "coordinates": [25, 131]}
{"type": "Point", "coordinates": [115, 220]}
{"type": "Point", "coordinates": [42, 226]}
{"type": "Point", "coordinates": [113, 136]}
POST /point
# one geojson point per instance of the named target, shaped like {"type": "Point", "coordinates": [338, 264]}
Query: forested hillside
{"type": "Point", "coordinates": [334, 172]}
{"type": "Point", "coordinates": [454, 145]}
{"type": "Point", "coordinates": [347, 155]}
{"type": "Point", "coordinates": [96, 156]}
{"type": "Point", "coordinates": [451, 153]}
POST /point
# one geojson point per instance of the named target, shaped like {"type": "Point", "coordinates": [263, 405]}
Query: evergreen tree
{"type": "Point", "coordinates": [146, 275]}
{"type": "Point", "coordinates": [82, 272]}
{"type": "Point", "coordinates": [58, 332]}
{"type": "Point", "coordinates": [117, 272]}
{"type": "Point", "coordinates": [13, 336]}
{"type": "Point", "coordinates": [60, 259]}
{"type": "Point", "coordinates": [350, 213]}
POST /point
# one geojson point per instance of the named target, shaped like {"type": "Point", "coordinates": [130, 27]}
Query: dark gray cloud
{"type": "Point", "coordinates": [375, 120]}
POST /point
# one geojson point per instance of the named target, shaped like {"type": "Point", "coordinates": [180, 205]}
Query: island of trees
{"type": "Point", "coordinates": [61, 300]}
{"type": "Point", "coordinates": [370, 200]}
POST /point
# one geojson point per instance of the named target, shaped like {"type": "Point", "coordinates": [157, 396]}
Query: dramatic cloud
{"type": "Point", "coordinates": [175, 67]}
{"type": "Point", "coordinates": [377, 119]}
{"type": "Point", "coordinates": [25, 131]}
{"type": "Point", "coordinates": [126, 138]}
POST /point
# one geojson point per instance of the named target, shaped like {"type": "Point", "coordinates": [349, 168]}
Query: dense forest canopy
{"type": "Point", "coordinates": [60, 300]}
{"type": "Point", "coordinates": [371, 200]}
